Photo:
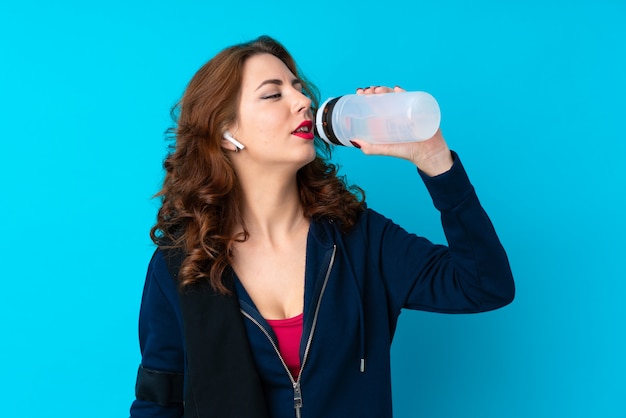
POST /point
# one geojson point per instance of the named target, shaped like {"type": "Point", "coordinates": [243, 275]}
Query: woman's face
{"type": "Point", "coordinates": [274, 119]}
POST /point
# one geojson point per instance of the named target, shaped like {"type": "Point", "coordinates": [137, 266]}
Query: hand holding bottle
{"type": "Point", "coordinates": [431, 156]}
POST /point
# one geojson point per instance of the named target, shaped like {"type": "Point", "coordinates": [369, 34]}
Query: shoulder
{"type": "Point", "coordinates": [370, 225]}
{"type": "Point", "coordinates": [371, 220]}
{"type": "Point", "coordinates": [159, 276]}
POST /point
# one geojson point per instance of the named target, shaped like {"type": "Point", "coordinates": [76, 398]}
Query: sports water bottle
{"type": "Point", "coordinates": [378, 118]}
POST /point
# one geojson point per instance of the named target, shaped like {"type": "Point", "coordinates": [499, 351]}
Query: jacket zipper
{"type": "Point", "coordinates": [297, 390]}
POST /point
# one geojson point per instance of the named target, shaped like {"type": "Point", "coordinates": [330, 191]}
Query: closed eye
{"type": "Point", "coordinates": [271, 96]}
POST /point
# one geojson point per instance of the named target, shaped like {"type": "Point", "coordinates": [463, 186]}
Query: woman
{"type": "Point", "coordinates": [275, 291]}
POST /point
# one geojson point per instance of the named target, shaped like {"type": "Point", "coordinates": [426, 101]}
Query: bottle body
{"type": "Point", "coordinates": [378, 118]}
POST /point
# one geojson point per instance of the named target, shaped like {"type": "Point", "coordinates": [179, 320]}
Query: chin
{"type": "Point", "coordinates": [306, 159]}
{"type": "Point", "coordinates": [311, 156]}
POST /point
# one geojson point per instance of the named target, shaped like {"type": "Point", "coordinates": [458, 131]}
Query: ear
{"type": "Point", "coordinates": [230, 143]}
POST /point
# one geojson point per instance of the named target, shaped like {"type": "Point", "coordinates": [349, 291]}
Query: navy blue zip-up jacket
{"type": "Point", "coordinates": [356, 284]}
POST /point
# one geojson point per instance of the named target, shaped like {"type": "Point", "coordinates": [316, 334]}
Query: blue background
{"type": "Point", "coordinates": [533, 98]}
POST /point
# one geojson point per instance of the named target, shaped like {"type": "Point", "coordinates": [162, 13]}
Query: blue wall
{"type": "Point", "coordinates": [533, 98]}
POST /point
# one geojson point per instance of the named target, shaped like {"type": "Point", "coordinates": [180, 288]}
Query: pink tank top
{"type": "Point", "coordinates": [289, 333]}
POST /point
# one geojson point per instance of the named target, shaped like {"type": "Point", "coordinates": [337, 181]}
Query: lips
{"type": "Point", "coordinates": [304, 130]}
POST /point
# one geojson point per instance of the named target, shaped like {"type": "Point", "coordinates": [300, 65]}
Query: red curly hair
{"type": "Point", "coordinates": [201, 197]}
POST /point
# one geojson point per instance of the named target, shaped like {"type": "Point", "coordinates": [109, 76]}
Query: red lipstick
{"type": "Point", "coordinates": [304, 130]}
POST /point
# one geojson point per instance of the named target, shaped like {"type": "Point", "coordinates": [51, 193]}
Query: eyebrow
{"type": "Point", "coordinates": [278, 82]}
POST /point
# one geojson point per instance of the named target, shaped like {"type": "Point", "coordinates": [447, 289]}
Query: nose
{"type": "Point", "coordinates": [301, 102]}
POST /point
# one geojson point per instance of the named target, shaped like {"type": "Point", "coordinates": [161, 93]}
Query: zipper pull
{"type": "Point", "coordinates": [297, 397]}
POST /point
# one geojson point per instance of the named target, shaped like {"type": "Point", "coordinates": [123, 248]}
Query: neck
{"type": "Point", "coordinates": [271, 205]}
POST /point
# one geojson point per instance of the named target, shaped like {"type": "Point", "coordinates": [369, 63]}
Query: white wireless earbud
{"type": "Point", "coordinates": [231, 139]}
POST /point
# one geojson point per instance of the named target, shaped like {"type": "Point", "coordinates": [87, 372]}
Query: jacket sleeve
{"type": "Point", "coordinates": [471, 274]}
{"type": "Point", "coordinates": [159, 388]}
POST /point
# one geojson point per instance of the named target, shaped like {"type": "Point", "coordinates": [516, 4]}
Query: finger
{"type": "Point", "coordinates": [378, 90]}
{"type": "Point", "coordinates": [369, 90]}
{"type": "Point", "coordinates": [382, 89]}
{"type": "Point", "coordinates": [374, 90]}
{"type": "Point", "coordinates": [369, 149]}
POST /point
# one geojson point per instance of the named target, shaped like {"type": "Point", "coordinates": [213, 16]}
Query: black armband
{"type": "Point", "coordinates": [163, 388]}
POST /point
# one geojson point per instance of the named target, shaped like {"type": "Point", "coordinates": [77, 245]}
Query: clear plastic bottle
{"type": "Point", "coordinates": [378, 118]}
